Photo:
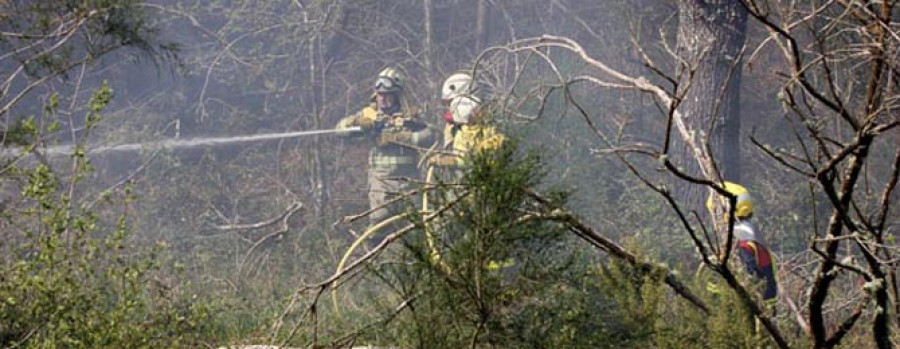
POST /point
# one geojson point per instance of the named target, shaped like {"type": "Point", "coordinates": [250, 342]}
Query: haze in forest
{"type": "Point", "coordinates": [173, 175]}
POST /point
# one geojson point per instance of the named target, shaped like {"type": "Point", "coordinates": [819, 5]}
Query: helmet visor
{"type": "Point", "coordinates": [385, 84]}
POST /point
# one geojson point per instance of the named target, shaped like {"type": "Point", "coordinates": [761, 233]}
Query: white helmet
{"type": "Point", "coordinates": [463, 108]}
{"type": "Point", "coordinates": [456, 85]}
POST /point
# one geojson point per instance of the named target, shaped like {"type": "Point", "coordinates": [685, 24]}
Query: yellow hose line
{"type": "Point", "coordinates": [429, 236]}
{"type": "Point", "coordinates": [429, 231]}
{"type": "Point", "coordinates": [426, 209]}
{"type": "Point", "coordinates": [356, 243]}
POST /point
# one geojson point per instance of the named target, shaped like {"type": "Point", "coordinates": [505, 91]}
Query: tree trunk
{"type": "Point", "coordinates": [428, 47]}
{"type": "Point", "coordinates": [711, 35]}
{"type": "Point", "coordinates": [482, 29]}
{"type": "Point", "coordinates": [317, 85]}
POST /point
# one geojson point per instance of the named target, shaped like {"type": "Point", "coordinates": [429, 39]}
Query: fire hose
{"type": "Point", "coordinates": [429, 234]}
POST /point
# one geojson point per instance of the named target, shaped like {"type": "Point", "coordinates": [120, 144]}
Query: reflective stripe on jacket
{"type": "Point", "coordinates": [394, 154]}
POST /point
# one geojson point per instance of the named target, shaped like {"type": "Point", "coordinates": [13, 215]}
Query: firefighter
{"type": "Point", "coordinates": [458, 84]}
{"type": "Point", "coordinates": [399, 136]}
{"type": "Point", "coordinates": [751, 247]}
{"type": "Point", "coordinates": [466, 130]}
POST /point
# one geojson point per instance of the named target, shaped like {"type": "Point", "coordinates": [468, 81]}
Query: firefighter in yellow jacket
{"type": "Point", "coordinates": [465, 132]}
{"type": "Point", "coordinates": [399, 137]}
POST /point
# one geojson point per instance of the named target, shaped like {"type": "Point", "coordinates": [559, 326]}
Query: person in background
{"type": "Point", "coordinates": [457, 84]}
{"type": "Point", "coordinates": [751, 248]}
{"type": "Point", "coordinates": [466, 130]}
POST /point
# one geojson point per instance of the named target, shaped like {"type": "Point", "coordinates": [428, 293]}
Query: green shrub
{"type": "Point", "coordinates": [70, 279]}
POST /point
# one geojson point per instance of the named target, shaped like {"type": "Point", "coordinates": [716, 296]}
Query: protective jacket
{"type": "Point", "coordinates": [756, 257]}
{"type": "Point", "coordinates": [399, 138]}
{"type": "Point", "coordinates": [468, 139]}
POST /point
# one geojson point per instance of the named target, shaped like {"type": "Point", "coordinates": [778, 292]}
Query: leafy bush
{"type": "Point", "coordinates": [70, 279]}
{"type": "Point", "coordinates": [494, 273]}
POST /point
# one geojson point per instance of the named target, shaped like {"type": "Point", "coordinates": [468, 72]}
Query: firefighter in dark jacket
{"type": "Point", "coordinates": [751, 247]}
{"type": "Point", "coordinates": [399, 137]}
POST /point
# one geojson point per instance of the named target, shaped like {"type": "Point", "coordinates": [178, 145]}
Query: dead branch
{"type": "Point", "coordinates": [591, 236]}
{"type": "Point", "coordinates": [291, 209]}
{"type": "Point", "coordinates": [285, 217]}
{"type": "Point", "coordinates": [329, 283]}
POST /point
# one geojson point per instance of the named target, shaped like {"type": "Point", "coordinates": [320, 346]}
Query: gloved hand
{"type": "Point", "coordinates": [366, 123]}
{"type": "Point", "coordinates": [443, 160]}
{"type": "Point", "coordinates": [386, 138]}
{"type": "Point", "coordinates": [397, 120]}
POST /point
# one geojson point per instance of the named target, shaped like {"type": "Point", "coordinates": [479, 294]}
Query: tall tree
{"type": "Point", "coordinates": [482, 25]}
{"type": "Point", "coordinates": [711, 36]}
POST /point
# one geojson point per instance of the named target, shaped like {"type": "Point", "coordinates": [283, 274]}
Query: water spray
{"type": "Point", "coordinates": [190, 143]}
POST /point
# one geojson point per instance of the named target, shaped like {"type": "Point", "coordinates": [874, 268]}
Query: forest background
{"type": "Point", "coordinates": [625, 116]}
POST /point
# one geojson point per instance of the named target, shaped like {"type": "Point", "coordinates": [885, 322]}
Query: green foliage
{"type": "Point", "coordinates": [70, 279]}
{"type": "Point", "coordinates": [506, 278]}
{"type": "Point", "coordinates": [654, 317]}
{"type": "Point", "coordinates": [483, 285]}
{"type": "Point", "coordinates": [731, 324]}
{"type": "Point", "coordinates": [637, 300]}
{"type": "Point", "coordinates": [106, 25]}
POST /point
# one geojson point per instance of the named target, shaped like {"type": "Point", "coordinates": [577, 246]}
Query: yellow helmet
{"type": "Point", "coordinates": [389, 80]}
{"type": "Point", "coordinates": [744, 206]}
